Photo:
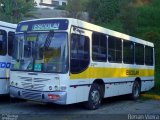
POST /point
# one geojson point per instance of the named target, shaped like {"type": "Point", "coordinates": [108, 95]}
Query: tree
{"type": "Point", "coordinates": [75, 8]}
{"type": "Point", "coordinates": [15, 10]}
{"type": "Point", "coordinates": [128, 16]}
{"type": "Point", "coordinates": [102, 11]}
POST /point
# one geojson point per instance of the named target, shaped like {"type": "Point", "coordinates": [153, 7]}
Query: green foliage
{"type": "Point", "coordinates": [15, 10]}
{"type": "Point", "coordinates": [102, 11]}
{"type": "Point", "coordinates": [149, 15]}
{"type": "Point", "coordinates": [156, 89]}
{"type": "Point", "coordinates": [113, 25]}
{"type": "Point", "coordinates": [63, 7]}
{"type": "Point", "coordinates": [128, 17]}
{"type": "Point", "coordinates": [75, 7]}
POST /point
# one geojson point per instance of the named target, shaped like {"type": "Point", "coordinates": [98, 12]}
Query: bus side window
{"type": "Point", "coordinates": [114, 50]}
{"type": "Point", "coordinates": [3, 42]}
{"type": "Point", "coordinates": [139, 54]}
{"type": "Point", "coordinates": [128, 52]}
{"type": "Point", "coordinates": [79, 53]}
{"type": "Point", "coordinates": [148, 55]}
{"type": "Point", "coordinates": [99, 47]}
{"type": "Point", "coordinates": [11, 36]}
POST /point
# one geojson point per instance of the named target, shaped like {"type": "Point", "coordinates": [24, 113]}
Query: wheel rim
{"type": "Point", "coordinates": [136, 90]}
{"type": "Point", "coordinates": [95, 96]}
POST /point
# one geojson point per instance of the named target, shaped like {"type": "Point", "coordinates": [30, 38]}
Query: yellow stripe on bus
{"type": "Point", "coordinates": [112, 73]}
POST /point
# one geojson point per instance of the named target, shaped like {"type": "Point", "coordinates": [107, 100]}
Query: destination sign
{"type": "Point", "coordinates": [46, 26]}
{"type": "Point", "coordinates": [43, 25]}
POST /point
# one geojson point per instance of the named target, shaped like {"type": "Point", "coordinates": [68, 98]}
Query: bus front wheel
{"type": "Point", "coordinates": [135, 90]}
{"type": "Point", "coordinates": [95, 97]}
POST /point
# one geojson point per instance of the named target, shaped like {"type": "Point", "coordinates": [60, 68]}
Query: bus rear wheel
{"type": "Point", "coordinates": [135, 90]}
{"type": "Point", "coordinates": [95, 97]}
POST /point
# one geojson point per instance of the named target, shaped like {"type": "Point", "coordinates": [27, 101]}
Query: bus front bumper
{"type": "Point", "coordinates": [58, 97]}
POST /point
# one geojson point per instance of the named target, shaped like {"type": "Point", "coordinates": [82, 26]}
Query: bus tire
{"type": "Point", "coordinates": [135, 90]}
{"type": "Point", "coordinates": [95, 97]}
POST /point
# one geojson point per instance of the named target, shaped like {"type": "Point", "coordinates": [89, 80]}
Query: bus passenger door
{"type": "Point", "coordinates": [79, 62]}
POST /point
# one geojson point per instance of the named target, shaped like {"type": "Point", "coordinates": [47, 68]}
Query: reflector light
{"type": "Point", "coordinates": [53, 97]}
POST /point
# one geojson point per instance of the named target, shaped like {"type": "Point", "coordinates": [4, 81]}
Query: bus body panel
{"type": "Point", "coordinates": [41, 84]}
{"type": "Point", "coordinates": [5, 60]}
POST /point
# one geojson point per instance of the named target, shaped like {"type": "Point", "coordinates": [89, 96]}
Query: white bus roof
{"type": "Point", "coordinates": [8, 25]}
{"type": "Point", "coordinates": [96, 28]}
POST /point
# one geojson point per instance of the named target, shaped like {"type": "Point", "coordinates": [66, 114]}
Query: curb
{"type": "Point", "coordinates": [156, 97]}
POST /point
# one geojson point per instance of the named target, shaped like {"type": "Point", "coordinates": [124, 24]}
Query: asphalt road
{"type": "Point", "coordinates": [116, 108]}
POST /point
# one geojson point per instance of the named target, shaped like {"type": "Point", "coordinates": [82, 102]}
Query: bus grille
{"type": "Point", "coordinates": [33, 83]}
{"type": "Point", "coordinates": [32, 95]}
{"type": "Point", "coordinates": [26, 79]}
{"type": "Point", "coordinates": [29, 79]}
{"type": "Point", "coordinates": [33, 86]}
{"type": "Point", "coordinates": [40, 80]}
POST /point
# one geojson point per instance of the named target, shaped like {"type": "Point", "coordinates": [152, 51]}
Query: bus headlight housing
{"type": "Point", "coordinates": [63, 88]}
{"type": "Point", "coordinates": [50, 87]}
{"type": "Point", "coordinates": [56, 87]}
{"type": "Point", "coordinates": [12, 83]}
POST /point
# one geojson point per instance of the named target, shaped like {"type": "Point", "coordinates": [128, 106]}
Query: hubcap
{"type": "Point", "coordinates": [95, 96]}
{"type": "Point", "coordinates": [136, 90]}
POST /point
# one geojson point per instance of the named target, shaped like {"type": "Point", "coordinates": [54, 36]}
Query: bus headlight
{"type": "Point", "coordinates": [50, 87]}
{"type": "Point", "coordinates": [12, 83]}
{"type": "Point", "coordinates": [56, 87]}
{"type": "Point", "coordinates": [63, 88]}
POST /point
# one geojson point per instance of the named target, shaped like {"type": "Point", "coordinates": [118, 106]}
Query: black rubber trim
{"type": "Point", "coordinates": [2, 78]}
{"type": "Point", "coordinates": [80, 85]}
{"type": "Point", "coordinates": [110, 83]}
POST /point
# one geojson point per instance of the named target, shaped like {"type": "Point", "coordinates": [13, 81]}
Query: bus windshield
{"type": "Point", "coordinates": [41, 52]}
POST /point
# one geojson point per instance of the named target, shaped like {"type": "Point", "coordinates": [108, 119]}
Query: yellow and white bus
{"type": "Point", "coordinates": [66, 61]}
{"type": "Point", "coordinates": [7, 33]}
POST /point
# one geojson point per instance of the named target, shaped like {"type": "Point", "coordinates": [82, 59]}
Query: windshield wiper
{"type": "Point", "coordinates": [48, 39]}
